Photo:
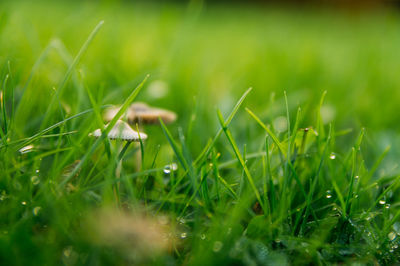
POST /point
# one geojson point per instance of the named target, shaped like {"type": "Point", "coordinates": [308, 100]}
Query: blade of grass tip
{"type": "Point", "coordinates": [287, 180]}
{"type": "Point", "coordinates": [196, 191]}
{"type": "Point", "coordinates": [146, 177]}
{"type": "Point", "coordinates": [211, 144]}
{"type": "Point", "coordinates": [215, 172]}
{"type": "Point", "coordinates": [31, 74]}
{"type": "Point", "coordinates": [350, 193]}
{"type": "Point", "coordinates": [39, 134]}
{"type": "Point", "coordinates": [240, 158]}
{"type": "Point", "coordinates": [295, 128]}
{"type": "Point", "coordinates": [67, 75]}
{"type": "Point", "coordinates": [186, 154]}
{"type": "Point", "coordinates": [12, 95]}
{"type": "Point", "coordinates": [314, 184]}
{"type": "Point", "coordinates": [3, 104]}
{"type": "Point", "coordinates": [112, 123]}
{"type": "Point", "coordinates": [3, 111]}
{"type": "Point", "coordinates": [179, 154]}
{"type": "Point", "coordinates": [174, 145]}
{"type": "Point", "coordinates": [277, 143]}
{"type": "Point", "coordinates": [320, 123]}
{"type": "Point", "coordinates": [288, 125]}
{"type": "Point", "coordinates": [271, 182]}
{"type": "Point", "coordinates": [270, 133]}
{"type": "Point", "coordinates": [204, 189]}
{"type": "Point", "coordinates": [374, 167]}
{"type": "Point", "coordinates": [97, 112]}
{"type": "Point", "coordinates": [356, 146]}
{"type": "Point", "coordinates": [218, 178]}
{"type": "Point", "coordinates": [193, 117]}
{"type": "Point", "coordinates": [395, 218]}
{"type": "Point", "coordinates": [95, 105]}
{"type": "Point", "coordinates": [241, 181]}
{"type": "Point", "coordinates": [383, 194]}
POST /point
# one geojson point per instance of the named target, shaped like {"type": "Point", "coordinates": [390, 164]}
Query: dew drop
{"type": "Point", "coordinates": [382, 201]}
{"type": "Point", "coordinates": [387, 206]}
{"type": "Point", "coordinates": [35, 180]}
{"type": "Point", "coordinates": [36, 210]}
{"type": "Point", "coordinates": [217, 246]}
{"type": "Point", "coordinates": [170, 167]}
{"type": "Point", "coordinates": [26, 149]}
{"type": "Point", "coordinates": [23, 203]}
{"type": "Point", "coordinates": [356, 177]}
{"type": "Point", "coordinates": [183, 235]}
{"type": "Point", "coordinates": [37, 171]}
{"type": "Point", "coordinates": [392, 236]}
{"type": "Point", "coordinates": [328, 194]}
{"type": "Point", "coordinates": [332, 156]}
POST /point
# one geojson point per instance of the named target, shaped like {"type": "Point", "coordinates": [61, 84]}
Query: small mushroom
{"type": "Point", "coordinates": [143, 114]}
{"type": "Point", "coordinates": [121, 131]}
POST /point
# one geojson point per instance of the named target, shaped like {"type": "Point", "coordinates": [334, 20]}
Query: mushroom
{"type": "Point", "coordinates": [142, 113]}
{"type": "Point", "coordinates": [121, 131]}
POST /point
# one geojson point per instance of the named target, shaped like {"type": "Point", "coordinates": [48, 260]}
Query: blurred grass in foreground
{"type": "Point", "coordinates": [324, 197]}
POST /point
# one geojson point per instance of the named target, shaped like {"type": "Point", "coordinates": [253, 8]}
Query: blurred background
{"type": "Point", "coordinates": [204, 54]}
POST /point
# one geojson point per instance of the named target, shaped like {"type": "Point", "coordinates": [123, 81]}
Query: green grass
{"type": "Point", "coordinates": [300, 169]}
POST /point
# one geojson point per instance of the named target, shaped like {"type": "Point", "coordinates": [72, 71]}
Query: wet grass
{"type": "Point", "coordinates": [284, 152]}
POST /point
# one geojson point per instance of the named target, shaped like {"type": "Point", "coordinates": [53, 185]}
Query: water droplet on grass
{"type": "Point", "coordinates": [35, 180]}
{"type": "Point", "coordinates": [170, 167]}
{"type": "Point", "coordinates": [332, 156]}
{"type": "Point", "coordinates": [23, 203]}
{"type": "Point", "coordinates": [382, 201]}
{"type": "Point", "coordinates": [392, 236]}
{"type": "Point", "coordinates": [26, 149]}
{"type": "Point", "coordinates": [387, 206]}
{"type": "Point", "coordinates": [183, 235]}
{"type": "Point", "coordinates": [37, 171]}
{"type": "Point", "coordinates": [36, 210]}
{"type": "Point", "coordinates": [328, 194]}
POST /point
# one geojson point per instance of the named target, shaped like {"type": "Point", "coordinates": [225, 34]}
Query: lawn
{"type": "Point", "coordinates": [285, 148]}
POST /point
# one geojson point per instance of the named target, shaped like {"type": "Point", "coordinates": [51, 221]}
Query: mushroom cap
{"type": "Point", "coordinates": [142, 113]}
{"type": "Point", "coordinates": [121, 131]}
